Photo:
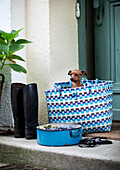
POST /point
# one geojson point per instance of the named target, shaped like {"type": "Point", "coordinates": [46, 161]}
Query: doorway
{"type": "Point", "coordinates": [99, 44]}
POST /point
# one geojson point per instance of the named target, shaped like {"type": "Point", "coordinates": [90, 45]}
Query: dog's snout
{"type": "Point", "coordinates": [71, 79]}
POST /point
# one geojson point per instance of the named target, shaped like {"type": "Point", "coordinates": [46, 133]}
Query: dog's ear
{"type": "Point", "coordinates": [69, 73]}
{"type": "Point", "coordinates": [83, 73]}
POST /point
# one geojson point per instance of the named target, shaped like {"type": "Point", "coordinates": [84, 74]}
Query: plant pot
{"type": "Point", "coordinates": [1, 84]}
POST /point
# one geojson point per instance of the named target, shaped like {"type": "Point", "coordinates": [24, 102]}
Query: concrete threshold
{"type": "Point", "coordinates": [102, 157]}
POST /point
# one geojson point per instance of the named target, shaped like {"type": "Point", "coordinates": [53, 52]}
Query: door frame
{"type": "Point", "coordinates": [86, 38]}
{"type": "Point", "coordinates": [82, 35]}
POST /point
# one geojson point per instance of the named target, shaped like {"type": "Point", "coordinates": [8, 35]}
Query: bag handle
{"type": "Point", "coordinates": [84, 81]}
{"type": "Point", "coordinates": [58, 89]}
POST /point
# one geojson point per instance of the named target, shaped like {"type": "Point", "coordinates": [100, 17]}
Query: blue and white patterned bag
{"type": "Point", "coordinates": [89, 105]}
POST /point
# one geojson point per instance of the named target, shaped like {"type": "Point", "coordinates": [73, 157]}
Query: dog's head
{"type": "Point", "coordinates": [76, 75]}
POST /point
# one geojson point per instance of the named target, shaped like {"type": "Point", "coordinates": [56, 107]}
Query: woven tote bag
{"type": "Point", "coordinates": [89, 105]}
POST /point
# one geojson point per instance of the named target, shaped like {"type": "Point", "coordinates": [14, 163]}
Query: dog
{"type": "Point", "coordinates": [76, 77]}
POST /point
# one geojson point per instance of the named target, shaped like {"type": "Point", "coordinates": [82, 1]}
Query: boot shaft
{"type": "Point", "coordinates": [17, 97]}
{"type": "Point", "coordinates": [24, 101]}
{"type": "Point", "coordinates": [30, 98]}
{"type": "Point", "coordinates": [18, 109]}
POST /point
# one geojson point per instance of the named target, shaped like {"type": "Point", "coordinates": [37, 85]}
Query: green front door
{"type": "Point", "coordinates": [107, 46]}
{"type": "Point", "coordinates": [99, 50]}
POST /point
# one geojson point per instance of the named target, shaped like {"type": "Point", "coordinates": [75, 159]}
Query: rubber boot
{"type": "Point", "coordinates": [18, 110]}
{"type": "Point", "coordinates": [30, 100]}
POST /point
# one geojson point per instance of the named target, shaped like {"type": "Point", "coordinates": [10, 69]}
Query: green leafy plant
{"type": "Point", "coordinates": [8, 47]}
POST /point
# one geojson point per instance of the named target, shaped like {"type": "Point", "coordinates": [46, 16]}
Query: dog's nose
{"type": "Point", "coordinates": [71, 79]}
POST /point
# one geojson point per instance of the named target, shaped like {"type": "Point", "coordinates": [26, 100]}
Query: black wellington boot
{"type": "Point", "coordinates": [17, 108]}
{"type": "Point", "coordinates": [30, 99]}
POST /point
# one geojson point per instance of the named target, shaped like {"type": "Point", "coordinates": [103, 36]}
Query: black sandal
{"type": "Point", "coordinates": [92, 142]}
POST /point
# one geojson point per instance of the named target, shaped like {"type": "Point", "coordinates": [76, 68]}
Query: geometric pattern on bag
{"type": "Point", "coordinates": [89, 105]}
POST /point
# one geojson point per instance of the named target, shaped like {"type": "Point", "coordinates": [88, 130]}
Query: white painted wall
{"type": "Point", "coordinates": [12, 16]}
{"type": "Point", "coordinates": [18, 22]}
{"type": "Point", "coordinates": [5, 17]}
{"type": "Point", "coordinates": [52, 26]}
{"type": "Point", "coordinates": [63, 39]}
{"type": "Point", "coordinates": [38, 53]}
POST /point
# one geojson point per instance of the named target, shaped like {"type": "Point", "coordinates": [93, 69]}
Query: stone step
{"type": "Point", "coordinates": [102, 157]}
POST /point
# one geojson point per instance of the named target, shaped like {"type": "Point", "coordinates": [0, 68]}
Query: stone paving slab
{"type": "Point", "coordinates": [22, 167]}
{"type": "Point", "coordinates": [66, 157]}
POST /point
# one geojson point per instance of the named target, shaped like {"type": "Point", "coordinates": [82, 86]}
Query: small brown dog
{"type": "Point", "coordinates": [76, 77]}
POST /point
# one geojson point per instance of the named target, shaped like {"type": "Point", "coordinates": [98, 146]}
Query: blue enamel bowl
{"type": "Point", "coordinates": [69, 136]}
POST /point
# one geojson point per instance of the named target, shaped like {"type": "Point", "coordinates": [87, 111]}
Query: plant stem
{"type": "Point", "coordinates": [3, 62]}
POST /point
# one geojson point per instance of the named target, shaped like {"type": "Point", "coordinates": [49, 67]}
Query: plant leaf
{"type": "Point", "coordinates": [13, 35]}
{"type": "Point", "coordinates": [18, 68]}
{"type": "Point", "coordinates": [10, 52]}
{"type": "Point", "coordinates": [15, 47]}
{"type": "Point", "coordinates": [9, 36]}
{"type": "Point", "coordinates": [2, 41]}
{"type": "Point", "coordinates": [2, 55]}
{"type": "Point", "coordinates": [2, 32]}
{"type": "Point", "coordinates": [3, 48]}
{"type": "Point", "coordinates": [6, 36]}
{"type": "Point", "coordinates": [15, 57]}
{"type": "Point", "coordinates": [13, 31]}
{"type": "Point", "coordinates": [23, 41]}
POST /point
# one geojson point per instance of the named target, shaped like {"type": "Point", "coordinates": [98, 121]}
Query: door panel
{"type": "Point", "coordinates": [107, 48]}
{"type": "Point", "coordinates": [101, 34]}
{"type": "Point", "coordinates": [115, 56]}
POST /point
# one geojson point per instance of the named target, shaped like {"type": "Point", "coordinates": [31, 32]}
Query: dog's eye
{"type": "Point", "coordinates": [76, 74]}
